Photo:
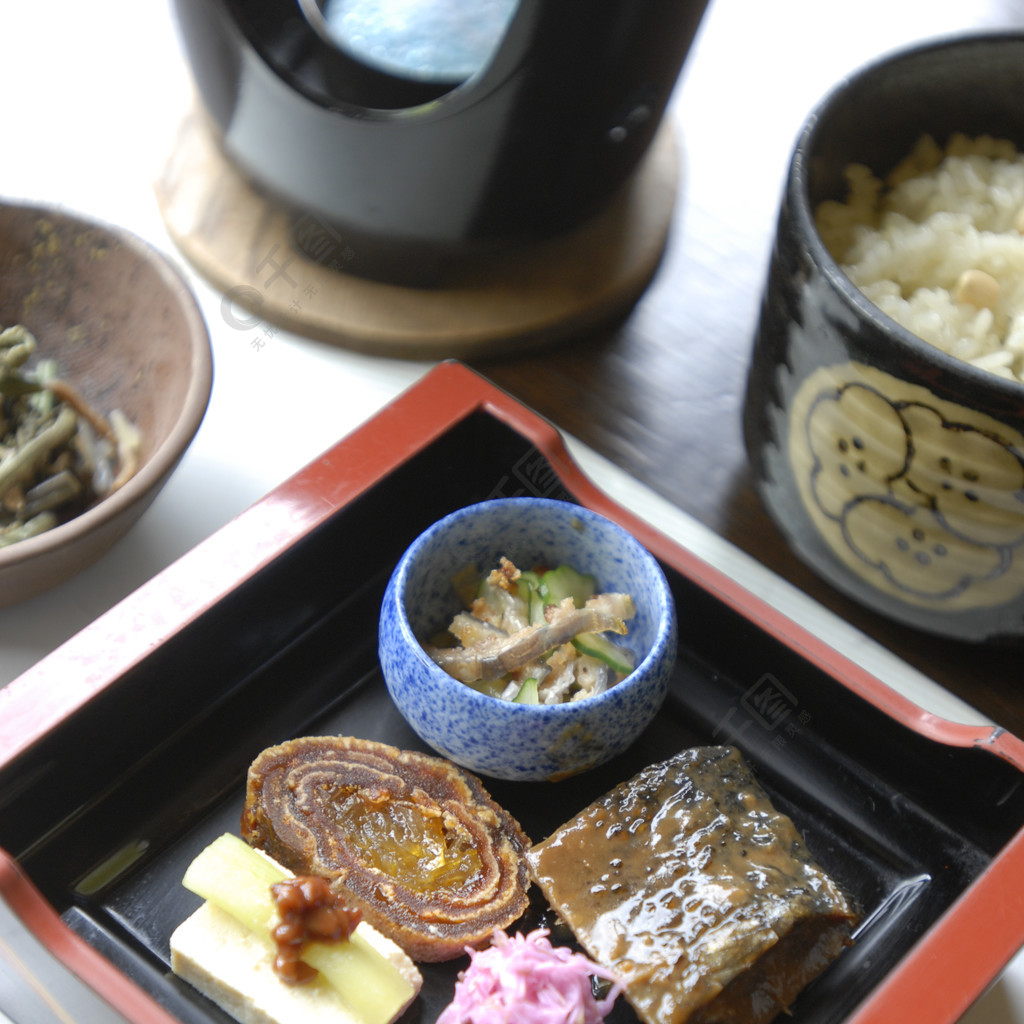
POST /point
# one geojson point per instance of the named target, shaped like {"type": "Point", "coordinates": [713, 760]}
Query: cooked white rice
{"type": "Point", "coordinates": [939, 247]}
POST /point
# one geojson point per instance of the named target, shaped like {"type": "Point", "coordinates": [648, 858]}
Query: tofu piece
{"type": "Point", "coordinates": [234, 968]}
{"type": "Point", "coordinates": [689, 885]}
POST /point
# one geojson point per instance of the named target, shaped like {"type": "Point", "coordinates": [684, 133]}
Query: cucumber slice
{"type": "Point", "coordinates": [530, 591]}
{"type": "Point", "coordinates": [491, 687]}
{"type": "Point", "coordinates": [528, 578]}
{"type": "Point", "coordinates": [233, 876]}
{"type": "Point", "coordinates": [558, 584]}
{"type": "Point", "coordinates": [597, 645]}
{"type": "Point", "coordinates": [527, 693]}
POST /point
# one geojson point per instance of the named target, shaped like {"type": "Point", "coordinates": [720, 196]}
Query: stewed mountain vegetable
{"type": "Point", "coordinates": [58, 456]}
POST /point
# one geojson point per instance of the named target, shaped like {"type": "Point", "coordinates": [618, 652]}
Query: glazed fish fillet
{"type": "Point", "coordinates": [690, 886]}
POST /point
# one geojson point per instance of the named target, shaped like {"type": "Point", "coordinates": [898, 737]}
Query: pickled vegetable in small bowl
{"type": "Point", "coordinates": [535, 636]}
{"type": "Point", "coordinates": [525, 739]}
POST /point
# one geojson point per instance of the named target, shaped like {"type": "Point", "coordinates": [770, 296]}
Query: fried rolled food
{"type": "Point", "coordinates": [413, 841]}
{"type": "Point", "coordinates": [699, 895]}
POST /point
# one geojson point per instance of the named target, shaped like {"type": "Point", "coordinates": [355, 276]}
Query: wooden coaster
{"type": "Point", "coordinates": [241, 240]}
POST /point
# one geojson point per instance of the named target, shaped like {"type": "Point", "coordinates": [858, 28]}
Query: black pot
{"type": "Point", "coordinates": [404, 177]}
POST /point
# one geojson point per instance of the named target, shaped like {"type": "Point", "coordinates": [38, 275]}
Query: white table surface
{"type": "Point", "coordinates": [92, 95]}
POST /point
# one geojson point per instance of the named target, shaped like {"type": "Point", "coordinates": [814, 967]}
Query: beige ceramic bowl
{"type": "Point", "coordinates": [126, 331]}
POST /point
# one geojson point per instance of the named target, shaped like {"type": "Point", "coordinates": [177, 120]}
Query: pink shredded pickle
{"type": "Point", "coordinates": [523, 979]}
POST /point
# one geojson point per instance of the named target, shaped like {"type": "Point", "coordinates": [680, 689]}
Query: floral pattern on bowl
{"type": "Point", "coordinates": [923, 498]}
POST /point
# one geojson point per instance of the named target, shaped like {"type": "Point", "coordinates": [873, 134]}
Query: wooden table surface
{"type": "Point", "coordinates": [661, 394]}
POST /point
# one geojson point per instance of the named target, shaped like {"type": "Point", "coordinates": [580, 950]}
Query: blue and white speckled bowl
{"type": "Point", "coordinates": [517, 741]}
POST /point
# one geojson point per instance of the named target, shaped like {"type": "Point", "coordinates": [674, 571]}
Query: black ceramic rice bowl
{"type": "Point", "coordinates": [895, 470]}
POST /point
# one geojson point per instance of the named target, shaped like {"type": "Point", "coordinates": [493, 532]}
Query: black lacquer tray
{"type": "Point", "coordinates": [124, 752]}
